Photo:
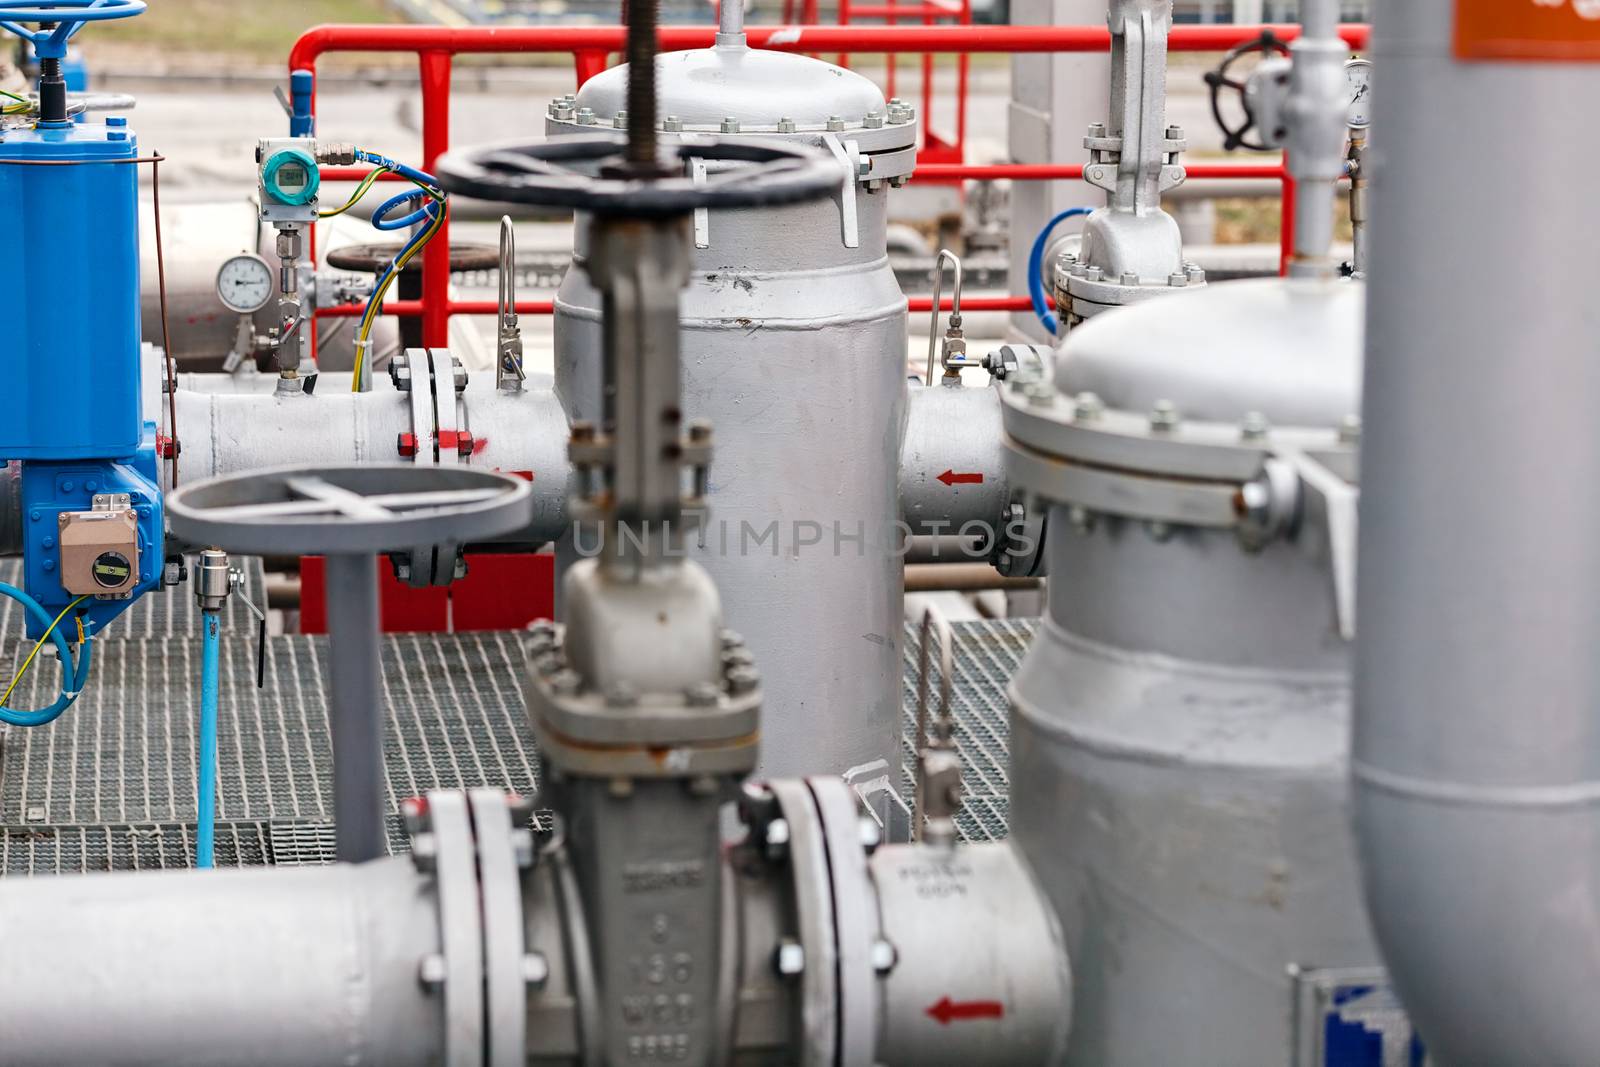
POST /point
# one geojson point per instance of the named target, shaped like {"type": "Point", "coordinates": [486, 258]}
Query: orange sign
{"type": "Point", "coordinates": [1550, 30]}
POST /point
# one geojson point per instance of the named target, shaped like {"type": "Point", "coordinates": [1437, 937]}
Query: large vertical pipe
{"type": "Point", "coordinates": [356, 711]}
{"type": "Point", "coordinates": [1477, 731]}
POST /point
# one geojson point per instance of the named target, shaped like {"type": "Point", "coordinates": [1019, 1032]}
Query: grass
{"type": "Point", "coordinates": [1257, 221]}
{"type": "Point", "coordinates": [230, 30]}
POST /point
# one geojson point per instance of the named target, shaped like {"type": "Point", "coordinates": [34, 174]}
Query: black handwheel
{"type": "Point", "coordinates": [590, 174]}
{"type": "Point", "coordinates": [1267, 44]}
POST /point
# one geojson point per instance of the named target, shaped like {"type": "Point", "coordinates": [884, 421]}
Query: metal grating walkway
{"type": "Point", "coordinates": [987, 653]}
{"type": "Point", "coordinates": [110, 785]}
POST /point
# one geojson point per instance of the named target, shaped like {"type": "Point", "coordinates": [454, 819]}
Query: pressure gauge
{"type": "Point", "coordinates": [244, 284]}
{"type": "Point", "coordinates": [1358, 91]}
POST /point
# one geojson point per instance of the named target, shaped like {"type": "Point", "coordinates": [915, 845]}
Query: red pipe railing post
{"type": "Point", "coordinates": [435, 68]}
{"type": "Point", "coordinates": [589, 63]}
{"type": "Point", "coordinates": [844, 20]}
{"type": "Point", "coordinates": [1286, 221]}
{"type": "Point", "coordinates": [892, 59]}
{"type": "Point", "coordinates": [963, 82]}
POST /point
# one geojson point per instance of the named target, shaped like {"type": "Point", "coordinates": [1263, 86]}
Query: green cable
{"type": "Point", "coordinates": [4, 700]}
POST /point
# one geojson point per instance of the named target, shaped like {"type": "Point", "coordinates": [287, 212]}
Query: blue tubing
{"type": "Point", "coordinates": [425, 213]}
{"type": "Point", "coordinates": [206, 820]}
{"type": "Point", "coordinates": [73, 674]}
{"type": "Point", "coordinates": [1036, 265]}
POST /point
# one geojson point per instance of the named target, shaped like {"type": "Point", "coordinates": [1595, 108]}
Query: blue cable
{"type": "Point", "coordinates": [1036, 265]}
{"type": "Point", "coordinates": [73, 674]}
{"type": "Point", "coordinates": [206, 820]}
{"type": "Point", "coordinates": [425, 215]}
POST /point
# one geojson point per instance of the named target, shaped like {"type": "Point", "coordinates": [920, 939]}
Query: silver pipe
{"type": "Point", "coordinates": [356, 708]}
{"type": "Point", "coordinates": [1316, 112]}
{"type": "Point", "coordinates": [1476, 763]}
{"type": "Point", "coordinates": [952, 464]}
{"type": "Point", "coordinates": [226, 433]}
{"type": "Point", "coordinates": [730, 23]}
{"type": "Point", "coordinates": [270, 966]}
{"type": "Point", "coordinates": [955, 304]}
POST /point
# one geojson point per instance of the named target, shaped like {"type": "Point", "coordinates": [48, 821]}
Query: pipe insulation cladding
{"type": "Point", "coordinates": [1476, 763]}
{"type": "Point", "coordinates": [794, 346]}
{"type": "Point", "coordinates": [140, 968]}
{"type": "Point", "coordinates": [231, 433]}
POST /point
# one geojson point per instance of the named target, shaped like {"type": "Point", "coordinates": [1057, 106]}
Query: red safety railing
{"type": "Point", "coordinates": [936, 147]}
{"type": "Point", "coordinates": [592, 46]}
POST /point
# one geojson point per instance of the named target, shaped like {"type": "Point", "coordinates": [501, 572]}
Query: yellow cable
{"type": "Point", "coordinates": [355, 198]}
{"type": "Point", "coordinates": [376, 305]}
{"type": "Point", "coordinates": [4, 700]}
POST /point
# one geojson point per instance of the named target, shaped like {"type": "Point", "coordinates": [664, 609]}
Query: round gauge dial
{"type": "Point", "coordinates": [244, 284]}
{"type": "Point", "coordinates": [1358, 91]}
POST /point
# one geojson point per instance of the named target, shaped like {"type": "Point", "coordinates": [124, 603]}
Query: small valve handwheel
{"type": "Point", "coordinates": [1234, 137]}
{"type": "Point", "coordinates": [60, 19]}
{"type": "Point", "coordinates": [589, 174]}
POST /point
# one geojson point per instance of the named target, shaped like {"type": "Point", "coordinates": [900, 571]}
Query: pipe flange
{"type": "Point", "coordinates": [818, 955]}
{"type": "Point", "coordinates": [1021, 545]}
{"type": "Point", "coordinates": [888, 151]}
{"type": "Point", "coordinates": [458, 970]}
{"type": "Point", "coordinates": [504, 958]}
{"type": "Point", "coordinates": [432, 380]}
{"type": "Point", "coordinates": [590, 174]}
{"type": "Point", "coordinates": [857, 929]}
{"type": "Point", "coordinates": [1158, 467]}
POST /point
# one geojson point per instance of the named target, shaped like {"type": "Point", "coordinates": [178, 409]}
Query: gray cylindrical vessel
{"type": "Point", "coordinates": [794, 347]}
{"type": "Point", "coordinates": [1179, 727]}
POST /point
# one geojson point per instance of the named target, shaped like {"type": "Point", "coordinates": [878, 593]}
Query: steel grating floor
{"type": "Point", "coordinates": [110, 785]}
{"type": "Point", "coordinates": [987, 653]}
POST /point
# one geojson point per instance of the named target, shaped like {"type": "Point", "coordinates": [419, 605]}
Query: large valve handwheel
{"type": "Point", "coordinates": [60, 19]}
{"type": "Point", "coordinates": [1268, 44]}
{"type": "Point", "coordinates": [589, 174]}
{"type": "Point", "coordinates": [349, 510]}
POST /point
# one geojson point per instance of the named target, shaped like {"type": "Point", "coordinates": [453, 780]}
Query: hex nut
{"type": "Point", "coordinates": [776, 838]}
{"type": "Point", "coordinates": [431, 971]}
{"type": "Point", "coordinates": [1164, 416]}
{"type": "Point", "coordinates": [789, 959]}
{"type": "Point", "coordinates": [424, 852]}
{"type": "Point", "coordinates": [1254, 426]}
{"type": "Point", "coordinates": [535, 969]}
{"type": "Point", "coordinates": [522, 847]}
{"type": "Point", "coordinates": [884, 957]}
{"type": "Point", "coordinates": [702, 694]}
{"type": "Point", "coordinates": [743, 680]}
{"type": "Point", "coordinates": [871, 834]}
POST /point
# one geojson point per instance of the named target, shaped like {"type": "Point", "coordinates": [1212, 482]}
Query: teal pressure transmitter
{"type": "Point", "coordinates": [290, 180]}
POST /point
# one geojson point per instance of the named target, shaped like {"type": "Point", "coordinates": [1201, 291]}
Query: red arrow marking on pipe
{"type": "Point", "coordinates": [952, 478]}
{"type": "Point", "coordinates": [948, 1011]}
